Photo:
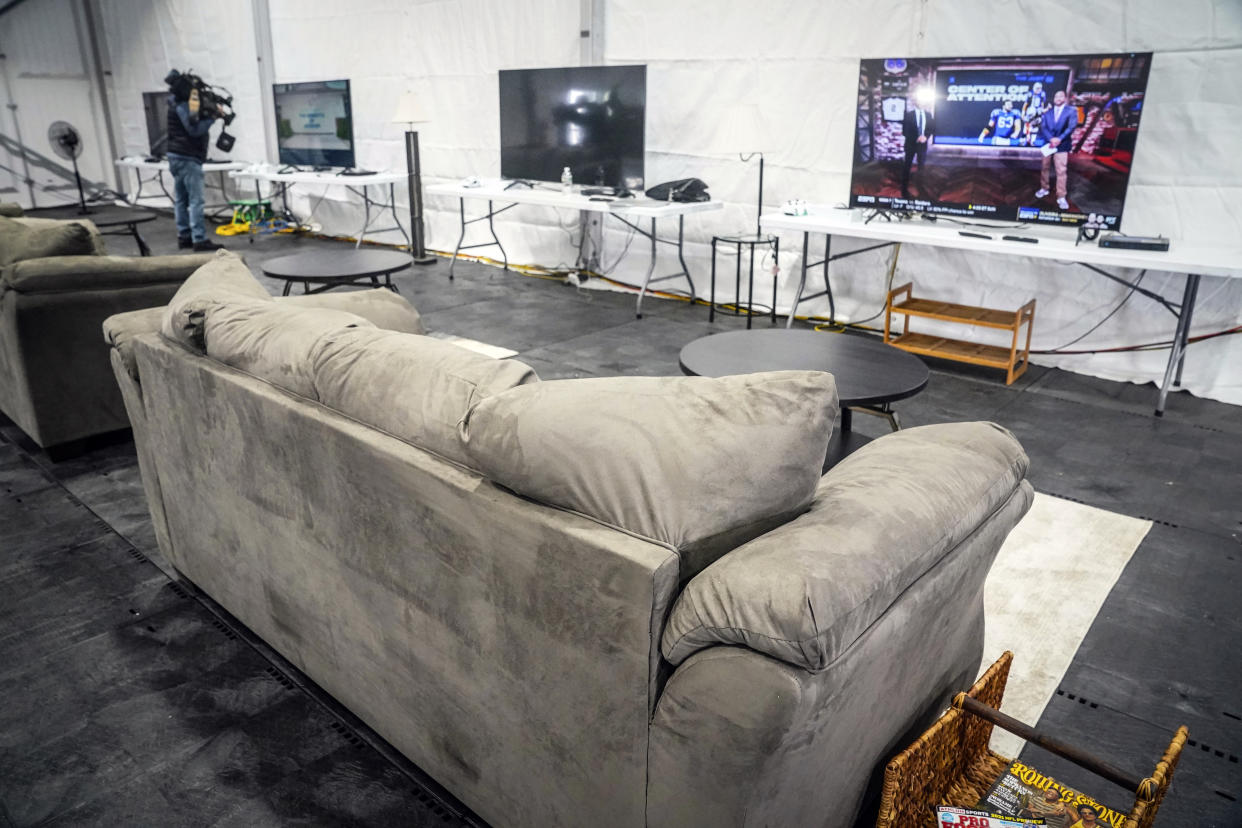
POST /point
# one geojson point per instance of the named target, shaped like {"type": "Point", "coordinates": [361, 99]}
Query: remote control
{"type": "Point", "coordinates": [1021, 239]}
{"type": "Point", "coordinates": [972, 235]}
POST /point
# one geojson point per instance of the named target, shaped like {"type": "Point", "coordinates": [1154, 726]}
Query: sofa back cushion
{"type": "Point", "coordinates": [697, 463]}
{"type": "Point", "coordinates": [415, 388]}
{"type": "Point", "coordinates": [11, 209]}
{"type": "Point", "coordinates": [388, 310]}
{"type": "Point", "coordinates": [20, 241]}
{"type": "Point", "coordinates": [223, 279]}
{"type": "Point", "coordinates": [273, 341]}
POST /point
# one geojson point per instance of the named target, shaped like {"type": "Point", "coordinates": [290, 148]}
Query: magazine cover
{"type": "Point", "coordinates": [1022, 791]}
{"type": "Point", "coordinates": [967, 818]}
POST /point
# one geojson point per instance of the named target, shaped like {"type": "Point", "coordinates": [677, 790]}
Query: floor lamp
{"type": "Point", "coordinates": [411, 111]}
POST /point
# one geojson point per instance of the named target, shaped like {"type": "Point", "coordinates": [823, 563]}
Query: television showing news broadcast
{"type": "Point", "coordinates": [314, 123]}
{"type": "Point", "coordinates": [1046, 139]}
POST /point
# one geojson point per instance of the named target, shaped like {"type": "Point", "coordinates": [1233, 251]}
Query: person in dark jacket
{"type": "Point", "coordinates": [916, 128]}
{"type": "Point", "coordinates": [187, 150]}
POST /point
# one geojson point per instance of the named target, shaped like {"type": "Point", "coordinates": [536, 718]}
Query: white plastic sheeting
{"type": "Point", "coordinates": [146, 38]}
{"type": "Point", "coordinates": [795, 62]}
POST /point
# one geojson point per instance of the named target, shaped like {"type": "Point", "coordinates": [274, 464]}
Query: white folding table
{"type": "Point", "coordinates": [357, 184]}
{"type": "Point", "coordinates": [629, 211]}
{"type": "Point", "coordinates": [156, 170]}
{"type": "Point", "coordinates": [1193, 260]}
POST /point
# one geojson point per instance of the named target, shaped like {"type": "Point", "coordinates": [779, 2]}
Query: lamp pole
{"type": "Point", "coordinates": [418, 239]}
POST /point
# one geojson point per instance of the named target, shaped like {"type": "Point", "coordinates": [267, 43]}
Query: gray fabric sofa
{"type": "Point", "coordinates": [627, 602]}
{"type": "Point", "coordinates": [56, 383]}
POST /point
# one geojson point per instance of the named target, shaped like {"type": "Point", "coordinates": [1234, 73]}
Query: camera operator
{"type": "Point", "coordinates": [188, 128]}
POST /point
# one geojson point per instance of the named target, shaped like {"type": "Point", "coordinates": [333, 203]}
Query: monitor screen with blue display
{"type": "Point", "coordinates": [314, 123]}
{"type": "Point", "coordinates": [1046, 139]}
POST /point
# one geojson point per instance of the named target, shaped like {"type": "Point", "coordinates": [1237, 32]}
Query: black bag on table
{"type": "Point", "coordinates": [683, 189]}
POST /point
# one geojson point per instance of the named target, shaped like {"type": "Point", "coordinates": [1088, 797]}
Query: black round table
{"type": "Point", "coordinates": [120, 221]}
{"type": "Point", "coordinates": [334, 268]}
{"type": "Point", "coordinates": [870, 375]}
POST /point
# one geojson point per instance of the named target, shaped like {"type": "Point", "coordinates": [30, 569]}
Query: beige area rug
{"type": "Point", "coordinates": [493, 351]}
{"type": "Point", "coordinates": [1046, 587]}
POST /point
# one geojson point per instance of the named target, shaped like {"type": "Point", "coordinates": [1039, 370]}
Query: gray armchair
{"type": "Point", "coordinates": [56, 380]}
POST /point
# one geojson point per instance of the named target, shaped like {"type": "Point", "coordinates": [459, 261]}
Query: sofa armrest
{"type": "Point", "coordinates": [120, 330]}
{"type": "Point", "coordinates": [881, 519]}
{"type": "Point", "coordinates": [382, 307]}
{"type": "Point", "coordinates": [64, 273]}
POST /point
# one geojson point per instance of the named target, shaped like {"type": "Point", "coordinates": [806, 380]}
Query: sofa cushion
{"type": "Point", "coordinates": [415, 388]}
{"type": "Point", "coordinates": [120, 330]}
{"type": "Point", "coordinates": [19, 241]}
{"type": "Point", "coordinates": [223, 279]}
{"type": "Point", "coordinates": [273, 341]}
{"type": "Point", "coordinates": [68, 273]}
{"type": "Point", "coordinates": [388, 310]}
{"type": "Point", "coordinates": [679, 460]}
{"type": "Point", "coordinates": [880, 519]}
{"type": "Point", "coordinates": [11, 209]}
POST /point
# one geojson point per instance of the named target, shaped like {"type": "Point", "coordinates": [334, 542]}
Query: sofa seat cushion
{"type": "Point", "coordinates": [415, 388]}
{"type": "Point", "coordinates": [678, 460]}
{"type": "Point", "coordinates": [225, 278]}
{"type": "Point", "coordinates": [273, 341]}
{"type": "Point", "coordinates": [880, 519]}
{"type": "Point", "coordinates": [20, 241]}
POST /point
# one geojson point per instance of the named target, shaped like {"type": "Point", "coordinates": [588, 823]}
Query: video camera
{"type": "Point", "coordinates": [213, 102]}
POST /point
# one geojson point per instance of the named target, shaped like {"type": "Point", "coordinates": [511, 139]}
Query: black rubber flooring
{"type": "Point", "coordinates": [132, 700]}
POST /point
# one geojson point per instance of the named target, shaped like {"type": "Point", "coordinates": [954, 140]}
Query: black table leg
{"type": "Point", "coordinates": [143, 249]}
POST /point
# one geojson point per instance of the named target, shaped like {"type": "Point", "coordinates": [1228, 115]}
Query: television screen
{"type": "Point", "coordinates": [155, 106]}
{"type": "Point", "coordinates": [314, 124]}
{"type": "Point", "coordinates": [591, 119]}
{"type": "Point", "coordinates": [1035, 139]}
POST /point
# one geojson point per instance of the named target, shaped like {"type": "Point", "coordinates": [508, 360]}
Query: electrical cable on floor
{"type": "Point", "coordinates": [1096, 326]}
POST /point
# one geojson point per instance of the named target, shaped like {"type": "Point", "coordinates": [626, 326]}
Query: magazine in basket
{"type": "Point", "coordinates": [1022, 791]}
{"type": "Point", "coordinates": [966, 818]}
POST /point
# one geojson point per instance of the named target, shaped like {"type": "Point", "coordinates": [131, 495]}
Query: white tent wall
{"type": "Point", "coordinates": [47, 74]}
{"type": "Point", "coordinates": [447, 52]}
{"type": "Point", "coordinates": [146, 38]}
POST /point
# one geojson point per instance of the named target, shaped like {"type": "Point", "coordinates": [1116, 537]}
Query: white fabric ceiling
{"type": "Point", "coordinates": [796, 61]}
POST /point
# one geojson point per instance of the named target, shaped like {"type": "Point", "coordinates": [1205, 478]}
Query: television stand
{"type": "Point", "coordinates": [520, 182]}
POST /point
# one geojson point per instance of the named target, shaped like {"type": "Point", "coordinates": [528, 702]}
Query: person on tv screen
{"type": "Point", "coordinates": [1055, 128]}
{"type": "Point", "coordinates": [917, 128]}
{"type": "Point", "coordinates": [1004, 125]}
{"type": "Point", "coordinates": [1032, 110]}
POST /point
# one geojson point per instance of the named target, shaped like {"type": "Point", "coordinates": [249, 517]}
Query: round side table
{"type": "Point", "coordinates": [738, 242]}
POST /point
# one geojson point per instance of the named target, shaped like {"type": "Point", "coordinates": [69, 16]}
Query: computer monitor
{"type": "Point", "coordinates": [155, 107]}
{"type": "Point", "coordinates": [588, 118]}
{"type": "Point", "coordinates": [314, 123]}
{"type": "Point", "coordinates": [988, 126]}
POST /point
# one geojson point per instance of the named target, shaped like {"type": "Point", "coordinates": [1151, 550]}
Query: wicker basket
{"type": "Point", "coordinates": [951, 764]}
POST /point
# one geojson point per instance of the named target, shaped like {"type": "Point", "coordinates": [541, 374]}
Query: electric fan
{"type": "Point", "coordinates": [67, 143]}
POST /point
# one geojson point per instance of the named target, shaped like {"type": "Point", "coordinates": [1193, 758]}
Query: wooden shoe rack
{"type": "Point", "coordinates": [1012, 359]}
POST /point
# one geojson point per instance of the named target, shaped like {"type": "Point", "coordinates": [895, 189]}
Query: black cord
{"type": "Point", "coordinates": [1097, 325]}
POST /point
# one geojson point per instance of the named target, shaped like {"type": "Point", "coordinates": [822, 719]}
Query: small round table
{"type": "Point", "coordinates": [870, 375]}
{"type": "Point", "coordinates": [121, 221]}
{"type": "Point", "coordinates": [738, 243]}
{"type": "Point", "coordinates": [334, 268]}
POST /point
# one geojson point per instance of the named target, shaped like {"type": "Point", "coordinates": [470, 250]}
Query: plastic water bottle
{"type": "Point", "coordinates": [567, 181]}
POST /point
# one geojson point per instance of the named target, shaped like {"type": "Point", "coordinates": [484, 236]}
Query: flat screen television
{"type": "Point", "coordinates": [591, 119]}
{"type": "Point", "coordinates": [314, 123]}
{"type": "Point", "coordinates": [989, 126]}
{"type": "Point", "coordinates": [155, 107]}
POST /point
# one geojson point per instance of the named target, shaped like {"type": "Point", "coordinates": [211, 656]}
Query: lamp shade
{"type": "Point", "coordinates": [742, 133]}
{"type": "Point", "coordinates": [412, 108]}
